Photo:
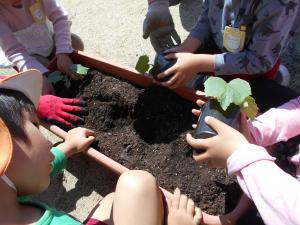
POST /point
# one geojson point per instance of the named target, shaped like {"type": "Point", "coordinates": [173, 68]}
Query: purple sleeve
{"type": "Point", "coordinates": [15, 51]}
{"type": "Point", "coordinates": [61, 25]}
{"type": "Point", "coordinates": [277, 124]}
{"type": "Point", "coordinates": [272, 29]}
{"type": "Point", "coordinates": [275, 193]}
{"type": "Point", "coordinates": [202, 29]}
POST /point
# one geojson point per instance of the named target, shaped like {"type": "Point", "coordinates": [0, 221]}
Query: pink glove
{"type": "Point", "coordinates": [60, 111]}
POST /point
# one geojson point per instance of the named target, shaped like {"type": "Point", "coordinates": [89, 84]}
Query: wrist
{"type": "Point", "coordinates": [206, 63]}
{"type": "Point", "coordinates": [66, 148]}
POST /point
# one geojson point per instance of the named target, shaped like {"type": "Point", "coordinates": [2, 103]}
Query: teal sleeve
{"type": "Point", "coordinates": [59, 163]}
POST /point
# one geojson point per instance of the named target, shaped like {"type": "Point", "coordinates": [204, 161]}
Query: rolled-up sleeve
{"type": "Point", "coordinates": [61, 25]}
{"type": "Point", "coordinates": [202, 30]}
{"type": "Point", "coordinates": [16, 52]}
{"type": "Point", "coordinates": [270, 34]}
{"type": "Point", "coordinates": [275, 193]}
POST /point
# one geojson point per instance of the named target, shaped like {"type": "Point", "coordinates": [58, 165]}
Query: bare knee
{"type": "Point", "coordinates": [137, 181]}
{"type": "Point", "coordinates": [77, 43]}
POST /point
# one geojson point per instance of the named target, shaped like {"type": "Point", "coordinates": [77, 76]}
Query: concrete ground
{"type": "Point", "coordinates": [113, 30]}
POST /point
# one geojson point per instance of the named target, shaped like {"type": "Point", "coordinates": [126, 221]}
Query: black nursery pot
{"type": "Point", "coordinates": [212, 108]}
{"type": "Point", "coordinates": [160, 65]}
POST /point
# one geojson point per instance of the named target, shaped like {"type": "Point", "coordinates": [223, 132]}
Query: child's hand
{"type": "Point", "coordinates": [182, 210]}
{"type": "Point", "coordinates": [63, 64]}
{"type": "Point", "coordinates": [244, 128]}
{"type": "Point", "coordinates": [77, 140]}
{"type": "Point", "coordinates": [185, 68]}
{"type": "Point", "coordinates": [220, 147]}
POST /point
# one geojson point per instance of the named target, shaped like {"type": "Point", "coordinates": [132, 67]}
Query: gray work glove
{"type": "Point", "coordinates": [159, 25]}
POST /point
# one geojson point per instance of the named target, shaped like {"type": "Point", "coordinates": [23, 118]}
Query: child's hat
{"type": "Point", "coordinates": [6, 147]}
{"type": "Point", "coordinates": [30, 84]}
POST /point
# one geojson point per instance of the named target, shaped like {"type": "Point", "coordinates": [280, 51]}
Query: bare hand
{"type": "Point", "coordinates": [220, 147]}
{"type": "Point", "coordinates": [63, 64]}
{"type": "Point", "coordinates": [186, 67]}
{"type": "Point", "coordinates": [182, 210]}
{"type": "Point", "coordinates": [77, 140]}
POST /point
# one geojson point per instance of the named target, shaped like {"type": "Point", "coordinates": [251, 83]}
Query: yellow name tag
{"type": "Point", "coordinates": [234, 39]}
{"type": "Point", "coordinates": [37, 13]}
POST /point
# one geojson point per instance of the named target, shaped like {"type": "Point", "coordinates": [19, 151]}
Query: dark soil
{"type": "Point", "coordinates": [145, 129]}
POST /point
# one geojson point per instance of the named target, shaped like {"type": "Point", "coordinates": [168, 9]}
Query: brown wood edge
{"type": "Point", "coordinates": [124, 73]}
{"type": "Point", "coordinates": [98, 156]}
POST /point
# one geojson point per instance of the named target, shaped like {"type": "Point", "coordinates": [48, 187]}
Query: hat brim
{"type": "Point", "coordinates": [30, 83]}
{"type": "Point", "coordinates": [6, 147]}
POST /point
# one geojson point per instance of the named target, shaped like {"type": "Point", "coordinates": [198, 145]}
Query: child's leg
{"type": "Point", "coordinates": [77, 43]}
{"type": "Point", "coordinates": [136, 201]}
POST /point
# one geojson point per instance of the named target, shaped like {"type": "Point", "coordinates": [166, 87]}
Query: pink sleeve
{"type": "Point", "coordinates": [275, 193]}
{"type": "Point", "coordinates": [15, 51]}
{"type": "Point", "coordinates": [277, 124]}
{"type": "Point", "coordinates": [61, 25]}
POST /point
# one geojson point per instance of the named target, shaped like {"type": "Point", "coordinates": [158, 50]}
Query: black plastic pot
{"type": "Point", "coordinates": [212, 108]}
{"type": "Point", "coordinates": [160, 65]}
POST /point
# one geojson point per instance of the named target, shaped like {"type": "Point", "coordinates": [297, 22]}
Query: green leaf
{"type": "Point", "coordinates": [214, 87]}
{"type": "Point", "coordinates": [226, 93]}
{"type": "Point", "coordinates": [55, 77]}
{"type": "Point", "coordinates": [241, 90]}
{"type": "Point", "coordinates": [79, 69]}
{"type": "Point", "coordinates": [142, 64]}
{"type": "Point", "coordinates": [249, 107]}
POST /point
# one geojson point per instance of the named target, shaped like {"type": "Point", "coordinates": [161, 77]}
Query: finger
{"type": "Point", "coordinates": [176, 37]}
{"type": "Point", "coordinates": [74, 101]}
{"type": "Point", "coordinates": [217, 125]}
{"type": "Point", "coordinates": [89, 132]}
{"type": "Point", "coordinates": [156, 44]}
{"type": "Point", "coordinates": [172, 55]}
{"type": "Point", "coordinates": [176, 199]}
{"type": "Point", "coordinates": [244, 128]}
{"type": "Point", "coordinates": [70, 108]}
{"type": "Point", "coordinates": [88, 141]}
{"type": "Point", "coordinates": [198, 216]}
{"type": "Point", "coordinates": [190, 207]}
{"type": "Point", "coordinates": [200, 103]}
{"type": "Point", "coordinates": [69, 117]}
{"type": "Point", "coordinates": [196, 112]}
{"type": "Point", "coordinates": [146, 28]}
{"type": "Point", "coordinates": [166, 73]}
{"type": "Point", "coordinates": [198, 143]}
{"type": "Point", "coordinates": [200, 93]}
{"type": "Point", "coordinates": [175, 82]}
{"type": "Point", "coordinates": [61, 123]}
{"type": "Point", "coordinates": [183, 202]}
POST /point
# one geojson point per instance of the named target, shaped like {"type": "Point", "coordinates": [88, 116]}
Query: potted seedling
{"type": "Point", "coordinates": [57, 76]}
{"type": "Point", "coordinates": [226, 101]}
{"type": "Point", "coordinates": [161, 63]}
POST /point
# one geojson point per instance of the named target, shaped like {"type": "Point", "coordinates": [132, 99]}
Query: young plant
{"type": "Point", "coordinates": [142, 65]}
{"type": "Point", "coordinates": [226, 103]}
{"type": "Point", "coordinates": [58, 76]}
{"type": "Point", "coordinates": [237, 92]}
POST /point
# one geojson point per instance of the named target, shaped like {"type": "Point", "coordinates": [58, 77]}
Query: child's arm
{"type": "Point", "coordinates": [201, 30]}
{"type": "Point", "coordinates": [16, 52]}
{"type": "Point", "coordinates": [274, 24]}
{"type": "Point", "coordinates": [277, 124]}
{"type": "Point", "coordinates": [77, 140]}
{"type": "Point", "coordinates": [61, 25]}
{"type": "Point", "coordinates": [274, 192]}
